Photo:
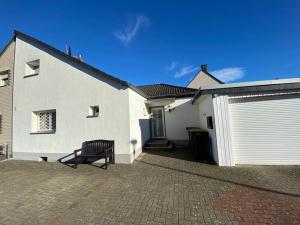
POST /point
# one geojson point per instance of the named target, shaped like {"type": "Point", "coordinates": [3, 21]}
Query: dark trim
{"type": "Point", "coordinates": [173, 96]}
{"type": "Point", "coordinates": [43, 132]}
{"type": "Point", "coordinates": [30, 75]}
{"type": "Point", "coordinates": [249, 89]}
{"type": "Point", "coordinates": [71, 58]}
{"type": "Point", "coordinates": [92, 116]}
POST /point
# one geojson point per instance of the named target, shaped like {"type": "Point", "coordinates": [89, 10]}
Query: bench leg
{"type": "Point", "coordinates": [106, 163]}
{"type": "Point", "coordinates": [76, 163]}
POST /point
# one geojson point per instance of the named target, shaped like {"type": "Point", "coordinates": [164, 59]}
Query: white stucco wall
{"type": "Point", "coordinates": [71, 90]}
{"type": "Point", "coordinates": [139, 123]}
{"type": "Point", "coordinates": [185, 114]}
{"type": "Point", "coordinates": [206, 109]}
{"type": "Point", "coordinates": [220, 135]}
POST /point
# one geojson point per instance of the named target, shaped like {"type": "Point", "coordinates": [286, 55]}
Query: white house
{"type": "Point", "coordinates": [59, 102]}
{"type": "Point", "coordinates": [254, 122]}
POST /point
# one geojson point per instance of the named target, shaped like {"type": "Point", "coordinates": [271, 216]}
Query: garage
{"type": "Point", "coordinates": [253, 122]}
{"type": "Point", "coordinates": [265, 130]}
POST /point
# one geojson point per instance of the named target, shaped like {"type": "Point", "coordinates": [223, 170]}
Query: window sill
{"type": "Point", "coordinates": [31, 75]}
{"type": "Point", "coordinates": [44, 132]}
{"type": "Point", "coordinates": [91, 116]}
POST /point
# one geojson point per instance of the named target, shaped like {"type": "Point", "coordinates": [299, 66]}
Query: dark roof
{"type": "Point", "coordinates": [166, 91]}
{"type": "Point", "coordinates": [249, 89]}
{"type": "Point", "coordinates": [71, 58]}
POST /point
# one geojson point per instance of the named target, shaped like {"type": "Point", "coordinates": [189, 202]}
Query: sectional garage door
{"type": "Point", "coordinates": [266, 130]}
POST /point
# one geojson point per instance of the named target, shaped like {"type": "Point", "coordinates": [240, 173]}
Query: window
{"type": "Point", "coordinates": [32, 68]}
{"type": "Point", "coordinates": [44, 121]}
{"type": "Point", "coordinates": [4, 77]}
{"type": "Point", "coordinates": [94, 111]}
{"type": "Point", "coordinates": [210, 124]}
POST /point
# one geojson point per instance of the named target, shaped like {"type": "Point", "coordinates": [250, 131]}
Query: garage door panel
{"type": "Point", "coordinates": [266, 132]}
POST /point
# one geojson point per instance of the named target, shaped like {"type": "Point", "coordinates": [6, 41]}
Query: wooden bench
{"type": "Point", "coordinates": [97, 149]}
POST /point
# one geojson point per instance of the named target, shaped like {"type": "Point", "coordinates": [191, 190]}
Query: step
{"type": "Point", "coordinates": [165, 147]}
{"type": "Point", "coordinates": [158, 142]}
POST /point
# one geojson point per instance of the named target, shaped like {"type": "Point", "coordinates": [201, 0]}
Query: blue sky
{"type": "Point", "coordinates": [147, 42]}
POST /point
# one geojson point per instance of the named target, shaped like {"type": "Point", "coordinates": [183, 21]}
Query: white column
{"type": "Point", "coordinates": [223, 131]}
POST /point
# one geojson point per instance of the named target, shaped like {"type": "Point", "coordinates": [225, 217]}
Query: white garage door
{"type": "Point", "coordinates": [266, 130]}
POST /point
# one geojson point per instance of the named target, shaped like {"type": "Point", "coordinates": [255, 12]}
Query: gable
{"type": "Point", "coordinates": [203, 79]}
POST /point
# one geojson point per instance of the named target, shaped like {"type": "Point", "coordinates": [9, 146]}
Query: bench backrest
{"type": "Point", "coordinates": [96, 147]}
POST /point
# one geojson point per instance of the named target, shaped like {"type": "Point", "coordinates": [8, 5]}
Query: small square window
{"type": "Point", "coordinates": [32, 68]}
{"type": "Point", "coordinates": [4, 78]}
{"type": "Point", "coordinates": [210, 124]}
{"type": "Point", "coordinates": [44, 121]}
{"type": "Point", "coordinates": [94, 111]}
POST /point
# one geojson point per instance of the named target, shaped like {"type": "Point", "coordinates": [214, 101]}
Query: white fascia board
{"type": "Point", "coordinates": [254, 83]}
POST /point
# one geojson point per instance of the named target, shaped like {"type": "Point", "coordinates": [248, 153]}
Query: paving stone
{"type": "Point", "coordinates": [159, 188]}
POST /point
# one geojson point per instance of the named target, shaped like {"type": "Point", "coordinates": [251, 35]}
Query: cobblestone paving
{"type": "Point", "coordinates": [159, 188]}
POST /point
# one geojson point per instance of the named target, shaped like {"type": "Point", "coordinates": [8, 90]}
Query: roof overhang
{"type": "Point", "coordinates": [250, 87]}
{"type": "Point", "coordinates": [159, 102]}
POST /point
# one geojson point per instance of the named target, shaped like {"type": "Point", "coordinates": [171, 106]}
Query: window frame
{"type": "Point", "coordinates": [4, 81]}
{"type": "Point", "coordinates": [92, 112]}
{"type": "Point", "coordinates": [36, 122]}
{"type": "Point", "coordinates": [29, 67]}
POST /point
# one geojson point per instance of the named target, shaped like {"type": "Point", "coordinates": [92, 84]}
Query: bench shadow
{"type": "Point", "coordinates": [70, 162]}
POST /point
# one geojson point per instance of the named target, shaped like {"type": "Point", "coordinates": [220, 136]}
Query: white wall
{"type": "Point", "coordinates": [185, 114]}
{"type": "Point", "coordinates": [206, 109]}
{"type": "Point", "coordinates": [71, 90]}
{"type": "Point", "coordinates": [223, 130]}
{"type": "Point", "coordinates": [139, 123]}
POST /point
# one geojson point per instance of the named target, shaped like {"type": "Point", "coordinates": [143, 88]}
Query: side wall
{"type": "Point", "coordinates": [139, 123]}
{"type": "Point", "coordinates": [206, 109]}
{"type": "Point", "coordinates": [71, 90]}
{"type": "Point", "coordinates": [6, 95]}
{"type": "Point", "coordinates": [220, 135]}
{"type": "Point", "coordinates": [183, 114]}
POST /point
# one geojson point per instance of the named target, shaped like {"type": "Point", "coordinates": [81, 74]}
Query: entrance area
{"type": "Point", "coordinates": [158, 122]}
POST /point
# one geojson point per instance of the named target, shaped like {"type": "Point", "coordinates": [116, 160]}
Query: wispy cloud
{"type": "Point", "coordinates": [172, 66]}
{"type": "Point", "coordinates": [229, 74]}
{"type": "Point", "coordinates": [185, 70]}
{"type": "Point", "coordinates": [131, 29]}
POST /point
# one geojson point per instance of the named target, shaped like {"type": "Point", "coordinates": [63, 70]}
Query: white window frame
{"type": "Point", "coordinates": [30, 69]}
{"type": "Point", "coordinates": [49, 127]}
{"type": "Point", "coordinates": [4, 76]}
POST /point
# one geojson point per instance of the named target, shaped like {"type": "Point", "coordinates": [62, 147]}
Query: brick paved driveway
{"type": "Point", "coordinates": [159, 188]}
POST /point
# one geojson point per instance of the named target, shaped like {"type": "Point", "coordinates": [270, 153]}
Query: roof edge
{"type": "Point", "coordinates": [11, 40]}
{"type": "Point", "coordinates": [71, 58]}
{"type": "Point", "coordinates": [248, 89]}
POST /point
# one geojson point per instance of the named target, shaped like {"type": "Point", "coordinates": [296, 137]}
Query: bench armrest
{"type": "Point", "coordinates": [76, 151]}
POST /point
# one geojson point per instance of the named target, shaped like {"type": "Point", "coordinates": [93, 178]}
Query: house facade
{"type": "Point", "coordinates": [52, 102]}
{"type": "Point", "coordinates": [60, 102]}
{"type": "Point", "coordinates": [6, 95]}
